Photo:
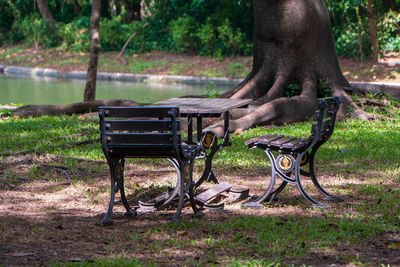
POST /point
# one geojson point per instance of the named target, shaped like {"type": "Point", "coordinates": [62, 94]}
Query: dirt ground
{"type": "Point", "coordinates": [56, 217]}
{"type": "Point", "coordinates": [168, 63]}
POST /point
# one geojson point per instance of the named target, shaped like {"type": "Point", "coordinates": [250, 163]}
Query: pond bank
{"type": "Point", "coordinates": [392, 89]}
{"type": "Point", "coordinates": [125, 77]}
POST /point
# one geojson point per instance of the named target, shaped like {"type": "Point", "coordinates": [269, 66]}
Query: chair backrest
{"type": "Point", "coordinates": [325, 118]}
{"type": "Point", "coordinates": [140, 131]}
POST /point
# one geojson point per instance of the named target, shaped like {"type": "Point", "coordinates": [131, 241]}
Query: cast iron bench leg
{"type": "Point", "coordinates": [328, 197]}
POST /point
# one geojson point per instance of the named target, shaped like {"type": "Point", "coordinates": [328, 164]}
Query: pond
{"type": "Point", "coordinates": [27, 90]}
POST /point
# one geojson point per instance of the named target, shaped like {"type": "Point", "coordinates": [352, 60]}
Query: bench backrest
{"type": "Point", "coordinates": [140, 131]}
{"type": "Point", "coordinates": [325, 118]}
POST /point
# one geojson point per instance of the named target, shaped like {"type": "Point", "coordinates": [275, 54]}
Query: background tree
{"type": "Point", "coordinates": [44, 10]}
{"type": "Point", "coordinates": [91, 77]}
{"type": "Point", "coordinates": [293, 45]}
{"type": "Point", "coordinates": [133, 10]}
{"type": "Point", "coordinates": [372, 30]}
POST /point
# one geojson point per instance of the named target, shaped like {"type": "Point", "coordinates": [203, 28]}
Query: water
{"type": "Point", "coordinates": [52, 91]}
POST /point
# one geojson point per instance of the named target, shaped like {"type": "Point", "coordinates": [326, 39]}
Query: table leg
{"type": "Point", "coordinates": [208, 173]}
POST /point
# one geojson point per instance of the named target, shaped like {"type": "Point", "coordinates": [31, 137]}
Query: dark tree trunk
{"type": "Point", "coordinates": [293, 43]}
{"type": "Point", "coordinates": [77, 7]}
{"type": "Point", "coordinates": [113, 8]}
{"type": "Point", "coordinates": [91, 77]}
{"type": "Point", "coordinates": [390, 4]}
{"type": "Point", "coordinates": [372, 30]}
{"type": "Point", "coordinates": [75, 108]}
{"type": "Point", "coordinates": [44, 10]}
{"type": "Point", "coordinates": [133, 8]}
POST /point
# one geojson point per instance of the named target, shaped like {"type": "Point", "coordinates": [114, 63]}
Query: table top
{"type": "Point", "coordinates": [204, 106]}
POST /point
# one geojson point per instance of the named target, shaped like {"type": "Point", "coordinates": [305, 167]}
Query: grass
{"type": "Point", "coordinates": [364, 153]}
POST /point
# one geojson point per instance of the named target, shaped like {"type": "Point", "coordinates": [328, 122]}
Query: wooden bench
{"type": "Point", "coordinates": [145, 132]}
{"type": "Point", "coordinates": [288, 154]}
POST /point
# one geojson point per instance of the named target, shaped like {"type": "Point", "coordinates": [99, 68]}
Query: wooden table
{"type": "Point", "coordinates": [200, 108]}
{"type": "Point", "coordinates": [205, 107]}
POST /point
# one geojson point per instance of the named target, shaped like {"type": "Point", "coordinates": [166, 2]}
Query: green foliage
{"type": "Point", "coordinates": [39, 31]}
{"type": "Point", "coordinates": [183, 33]}
{"type": "Point", "coordinates": [292, 90]}
{"type": "Point", "coordinates": [8, 15]}
{"type": "Point", "coordinates": [389, 31]}
{"type": "Point", "coordinates": [211, 91]}
{"type": "Point", "coordinates": [215, 28]}
{"type": "Point", "coordinates": [75, 37]}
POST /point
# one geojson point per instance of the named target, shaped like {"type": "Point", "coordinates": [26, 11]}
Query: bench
{"type": "Point", "coordinates": [288, 154]}
{"type": "Point", "coordinates": [145, 132]}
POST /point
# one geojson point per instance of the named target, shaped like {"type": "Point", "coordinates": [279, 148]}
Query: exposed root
{"type": "Point", "coordinates": [76, 108]}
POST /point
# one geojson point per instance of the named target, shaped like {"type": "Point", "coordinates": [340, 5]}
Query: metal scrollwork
{"type": "Point", "coordinates": [285, 163]}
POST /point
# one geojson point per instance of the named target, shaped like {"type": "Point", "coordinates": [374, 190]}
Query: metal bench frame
{"type": "Point", "coordinates": [145, 132]}
{"type": "Point", "coordinates": [293, 153]}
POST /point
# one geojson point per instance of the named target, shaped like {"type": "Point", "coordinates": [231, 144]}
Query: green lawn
{"type": "Point", "coordinates": [366, 154]}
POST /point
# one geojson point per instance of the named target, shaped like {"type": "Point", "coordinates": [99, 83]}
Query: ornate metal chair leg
{"type": "Point", "coordinates": [208, 174]}
{"type": "Point", "coordinates": [107, 218]}
{"type": "Point", "coordinates": [191, 193]}
{"type": "Point", "coordinates": [175, 192]}
{"type": "Point", "coordinates": [302, 190]}
{"type": "Point", "coordinates": [176, 218]}
{"type": "Point", "coordinates": [120, 183]}
{"type": "Point", "coordinates": [328, 197]}
{"type": "Point", "coordinates": [273, 195]}
{"type": "Point", "coordinates": [256, 204]}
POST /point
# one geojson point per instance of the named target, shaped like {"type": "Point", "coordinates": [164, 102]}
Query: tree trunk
{"type": "Point", "coordinates": [44, 10]}
{"type": "Point", "coordinates": [113, 8]}
{"type": "Point", "coordinates": [390, 4]}
{"type": "Point", "coordinates": [69, 109]}
{"type": "Point", "coordinates": [133, 8]}
{"type": "Point", "coordinates": [91, 77]}
{"type": "Point", "coordinates": [293, 44]}
{"type": "Point", "coordinates": [372, 30]}
{"type": "Point", "coordinates": [77, 7]}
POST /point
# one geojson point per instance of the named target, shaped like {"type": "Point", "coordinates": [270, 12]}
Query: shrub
{"type": "Point", "coordinates": [75, 38]}
{"type": "Point", "coordinates": [389, 31]}
{"type": "Point", "coordinates": [183, 33]}
{"type": "Point", "coordinates": [39, 32]}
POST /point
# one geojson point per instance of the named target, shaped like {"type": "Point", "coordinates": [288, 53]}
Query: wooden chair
{"type": "Point", "coordinates": [145, 132]}
{"type": "Point", "coordinates": [288, 154]}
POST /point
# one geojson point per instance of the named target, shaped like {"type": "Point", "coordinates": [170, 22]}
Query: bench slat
{"type": "Point", "coordinates": [140, 138]}
{"type": "Point", "coordinates": [139, 125]}
{"type": "Point", "coordinates": [280, 141]}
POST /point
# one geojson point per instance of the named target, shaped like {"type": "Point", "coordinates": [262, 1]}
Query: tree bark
{"type": "Point", "coordinates": [91, 77]}
{"type": "Point", "coordinates": [113, 8]}
{"type": "Point", "coordinates": [372, 30]}
{"type": "Point", "coordinates": [44, 10]}
{"type": "Point", "coordinates": [76, 108]}
{"type": "Point", "coordinates": [390, 4]}
{"type": "Point", "coordinates": [77, 7]}
{"type": "Point", "coordinates": [293, 44]}
{"type": "Point", "coordinates": [133, 10]}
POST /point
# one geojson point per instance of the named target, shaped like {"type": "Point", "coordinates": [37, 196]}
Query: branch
{"type": "Point", "coordinates": [129, 39]}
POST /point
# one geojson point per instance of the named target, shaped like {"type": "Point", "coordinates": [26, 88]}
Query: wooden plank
{"type": "Point", "coordinates": [213, 192]}
{"type": "Point", "coordinates": [204, 105]}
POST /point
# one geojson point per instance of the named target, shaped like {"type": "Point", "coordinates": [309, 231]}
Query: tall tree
{"type": "Point", "coordinates": [44, 10]}
{"type": "Point", "coordinates": [91, 77]}
{"type": "Point", "coordinates": [372, 30]}
{"type": "Point", "coordinates": [293, 44]}
{"type": "Point", "coordinates": [133, 9]}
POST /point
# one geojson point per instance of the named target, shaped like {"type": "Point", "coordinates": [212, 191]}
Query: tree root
{"type": "Point", "coordinates": [76, 108]}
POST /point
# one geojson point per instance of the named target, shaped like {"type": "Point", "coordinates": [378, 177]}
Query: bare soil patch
{"type": "Point", "coordinates": [55, 217]}
{"type": "Point", "coordinates": [168, 63]}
